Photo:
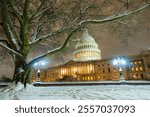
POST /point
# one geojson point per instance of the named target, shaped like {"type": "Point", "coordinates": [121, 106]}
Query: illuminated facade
{"type": "Point", "coordinates": [88, 65]}
{"type": "Point", "coordinates": [136, 68]}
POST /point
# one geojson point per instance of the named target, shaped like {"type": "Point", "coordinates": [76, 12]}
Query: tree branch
{"type": "Point", "coordinates": [6, 23]}
{"type": "Point", "coordinates": [37, 31]}
{"type": "Point", "coordinates": [15, 10]}
{"type": "Point", "coordinates": [86, 8]}
{"type": "Point", "coordinates": [12, 37]}
{"type": "Point", "coordinates": [32, 17]}
{"type": "Point", "coordinates": [5, 41]}
{"type": "Point", "coordinates": [14, 32]}
{"type": "Point", "coordinates": [11, 50]}
{"type": "Point", "coordinates": [48, 35]}
{"type": "Point", "coordinates": [59, 49]}
{"type": "Point", "coordinates": [114, 17]}
{"type": "Point", "coordinates": [38, 14]}
{"type": "Point", "coordinates": [83, 23]}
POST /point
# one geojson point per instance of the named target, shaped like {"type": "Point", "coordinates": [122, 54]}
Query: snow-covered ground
{"type": "Point", "coordinates": [100, 92]}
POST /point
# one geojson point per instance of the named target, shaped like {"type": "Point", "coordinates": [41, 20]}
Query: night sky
{"type": "Point", "coordinates": [113, 38]}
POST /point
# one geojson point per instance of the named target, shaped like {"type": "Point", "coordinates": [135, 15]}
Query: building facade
{"type": "Point", "coordinates": [88, 65]}
{"type": "Point", "coordinates": [137, 68]}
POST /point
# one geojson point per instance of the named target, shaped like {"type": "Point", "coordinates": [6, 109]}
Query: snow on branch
{"type": "Point", "coordinates": [36, 32]}
{"type": "Point", "coordinates": [11, 50]}
{"type": "Point", "coordinates": [5, 41]}
{"type": "Point", "coordinates": [48, 35]}
{"type": "Point", "coordinates": [85, 22]}
{"type": "Point", "coordinates": [86, 8]}
{"type": "Point", "coordinates": [81, 24]}
{"type": "Point", "coordinates": [13, 32]}
{"type": "Point", "coordinates": [12, 37]}
{"type": "Point", "coordinates": [114, 17]}
{"type": "Point", "coordinates": [34, 14]}
{"type": "Point", "coordinates": [48, 53]}
{"type": "Point", "coordinates": [15, 10]}
{"type": "Point", "coordinates": [38, 14]}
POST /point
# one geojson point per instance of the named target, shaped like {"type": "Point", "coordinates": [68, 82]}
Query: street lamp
{"type": "Point", "coordinates": [38, 76]}
{"type": "Point", "coordinates": [38, 65]}
{"type": "Point", "coordinates": [120, 62]}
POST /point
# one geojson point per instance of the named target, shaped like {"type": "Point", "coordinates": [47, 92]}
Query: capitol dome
{"type": "Point", "coordinates": [86, 48]}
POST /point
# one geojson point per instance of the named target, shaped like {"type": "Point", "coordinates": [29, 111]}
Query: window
{"type": "Point", "coordinates": [141, 76]}
{"type": "Point", "coordinates": [137, 75]}
{"type": "Point", "coordinates": [132, 68]}
{"type": "Point", "coordinates": [108, 69]}
{"type": "Point", "coordinates": [141, 68]}
{"type": "Point", "coordinates": [136, 69]}
{"type": "Point", "coordinates": [133, 76]}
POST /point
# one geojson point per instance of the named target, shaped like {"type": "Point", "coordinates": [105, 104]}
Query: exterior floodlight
{"type": "Point", "coordinates": [115, 62]}
{"type": "Point", "coordinates": [35, 64]}
{"type": "Point", "coordinates": [123, 62]}
{"type": "Point", "coordinates": [119, 62]}
{"type": "Point", "coordinates": [43, 63]}
{"type": "Point", "coordinates": [39, 64]}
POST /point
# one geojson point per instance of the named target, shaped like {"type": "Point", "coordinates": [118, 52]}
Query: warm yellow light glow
{"type": "Point", "coordinates": [141, 68]}
{"type": "Point", "coordinates": [132, 68]}
{"type": "Point", "coordinates": [133, 76]}
{"type": "Point", "coordinates": [136, 69]}
{"type": "Point", "coordinates": [91, 67]}
{"type": "Point", "coordinates": [89, 78]}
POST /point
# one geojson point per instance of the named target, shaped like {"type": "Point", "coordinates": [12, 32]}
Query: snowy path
{"type": "Point", "coordinates": [99, 92]}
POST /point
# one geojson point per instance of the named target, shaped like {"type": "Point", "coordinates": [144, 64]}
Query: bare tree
{"type": "Point", "coordinates": [26, 23]}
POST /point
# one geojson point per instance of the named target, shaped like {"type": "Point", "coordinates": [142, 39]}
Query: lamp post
{"type": "Point", "coordinates": [120, 62]}
{"type": "Point", "coordinates": [38, 76]}
{"type": "Point", "coordinates": [38, 65]}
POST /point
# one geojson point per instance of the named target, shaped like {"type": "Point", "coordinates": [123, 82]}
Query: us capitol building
{"type": "Point", "coordinates": [87, 65]}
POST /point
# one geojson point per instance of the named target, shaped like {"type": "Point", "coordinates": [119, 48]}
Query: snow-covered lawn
{"type": "Point", "coordinates": [100, 92]}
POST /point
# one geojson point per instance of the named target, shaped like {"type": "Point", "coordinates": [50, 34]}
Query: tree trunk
{"type": "Point", "coordinates": [22, 73]}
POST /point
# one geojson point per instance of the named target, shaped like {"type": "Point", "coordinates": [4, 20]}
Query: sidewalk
{"type": "Point", "coordinates": [139, 82]}
{"type": "Point", "coordinates": [91, 83]}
